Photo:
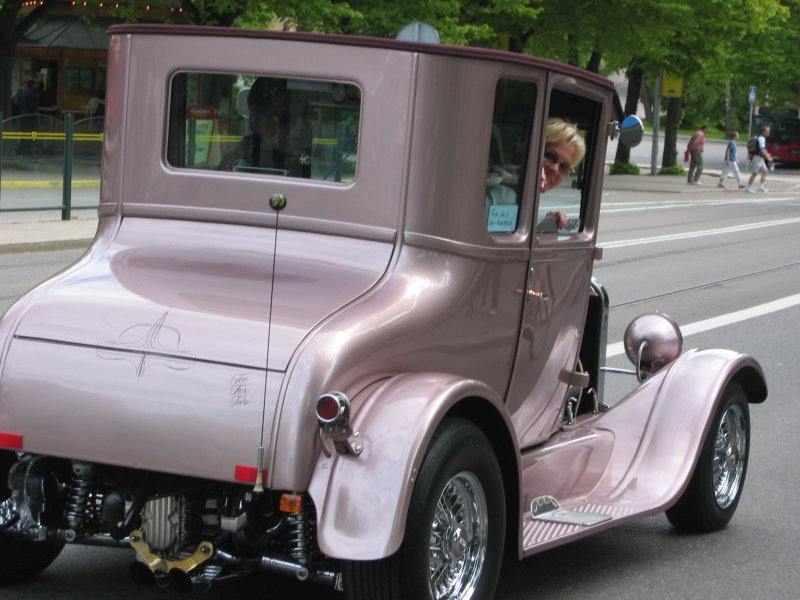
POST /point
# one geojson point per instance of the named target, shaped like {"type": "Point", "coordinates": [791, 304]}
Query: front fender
{"type": "Point", "coordinates": [663, 442]}
{"type": "Point", "coordinates": [362, 501]}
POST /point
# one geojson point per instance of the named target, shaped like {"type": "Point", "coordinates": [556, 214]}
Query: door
{"type": "Point", "coordinates": [560, 269]}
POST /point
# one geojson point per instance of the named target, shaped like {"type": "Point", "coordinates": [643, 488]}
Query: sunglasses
{"type": "Point", "coordinates": [563, 167]}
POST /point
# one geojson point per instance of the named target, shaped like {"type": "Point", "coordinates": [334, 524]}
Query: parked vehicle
{"type": "Point", "coordinates": [322, 332]}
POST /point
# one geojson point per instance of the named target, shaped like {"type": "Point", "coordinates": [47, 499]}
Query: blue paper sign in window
{"type": "Point", "coordinates": [502, 218]}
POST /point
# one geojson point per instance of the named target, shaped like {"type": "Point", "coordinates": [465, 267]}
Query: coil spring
{"type": "Point", "coordinates": [79, 509]}
{"type": "Point", "coordinates": [301, 534]}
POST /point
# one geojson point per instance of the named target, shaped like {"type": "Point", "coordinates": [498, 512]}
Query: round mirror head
{"type": "Point", "coordinates": [631, 131]}
{"type": "Point", "coordinates": [652, 341]}
{"type": "Point", "coordinates": [419, 32]}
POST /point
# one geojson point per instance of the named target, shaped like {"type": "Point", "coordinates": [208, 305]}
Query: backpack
{"type": "Point", "coordinates": [752, 146]}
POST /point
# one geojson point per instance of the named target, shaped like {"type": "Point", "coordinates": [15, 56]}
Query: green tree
{"type": "Point", "coordinates": [717, 47]}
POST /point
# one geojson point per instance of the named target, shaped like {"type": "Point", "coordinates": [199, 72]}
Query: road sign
{"type": "Point", "coordinates": [672, 86]}
{"type": "Point", "coordinates": [751, 94]}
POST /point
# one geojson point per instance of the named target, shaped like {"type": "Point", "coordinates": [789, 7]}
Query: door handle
{"type": "Point", "coordinates": [539, 295]}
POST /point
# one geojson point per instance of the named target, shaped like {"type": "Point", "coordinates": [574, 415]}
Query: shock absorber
{"type": "Point", "coordinates": [79, 500]}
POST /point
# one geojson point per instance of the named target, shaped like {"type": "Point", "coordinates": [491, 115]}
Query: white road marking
{"type": "Point", "coordinates": [611, 207]}
{"type": "Point", "coordinates": [695, 234]}
{"type": "Point", "coordinates": [723, 320]}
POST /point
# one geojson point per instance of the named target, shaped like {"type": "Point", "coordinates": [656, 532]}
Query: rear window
{"type": "Point", "coordinates": [246, 123]}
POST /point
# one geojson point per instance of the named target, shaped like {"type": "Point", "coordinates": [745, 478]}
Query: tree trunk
{"type": "Point", "coordinates": [594, 62]}
{"type": "Point", "coordinates": [728, 110]}
{"type": "Point", "coordinates": [669, 158]}
{"type": "Point", "coordinates": [572, 50]}
{"type": "Point", "coordinates": [635, 77]}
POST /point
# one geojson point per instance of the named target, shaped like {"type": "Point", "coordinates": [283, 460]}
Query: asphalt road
{"type": "Point", "coordinates": [696, 257]}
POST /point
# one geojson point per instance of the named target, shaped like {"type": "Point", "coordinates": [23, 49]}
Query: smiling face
{"type": "Point", "coordinates": [559, 157]}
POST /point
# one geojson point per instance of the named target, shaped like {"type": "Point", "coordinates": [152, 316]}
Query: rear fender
{"type": "Point", "coordinates": [362, 501]}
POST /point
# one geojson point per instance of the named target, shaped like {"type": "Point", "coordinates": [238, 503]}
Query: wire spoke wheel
{"type": "Point", "coordinates": [713, 492]}
{"type": "Point", "coordinates": [729, 456]}
{"type": "Point", "coordinates": [455, 530]}
{"type": "Point", "coordinates": [458, 538]}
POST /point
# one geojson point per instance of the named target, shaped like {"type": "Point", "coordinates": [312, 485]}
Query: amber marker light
{"type": "Point", "coordinates": [291, 503]}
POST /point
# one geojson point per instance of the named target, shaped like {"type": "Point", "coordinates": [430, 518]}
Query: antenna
{"type": "Point", "coordinates": [277, 202]}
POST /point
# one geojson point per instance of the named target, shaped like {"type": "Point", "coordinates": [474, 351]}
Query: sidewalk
{"type": "Point", "coordinates": [28, 236]}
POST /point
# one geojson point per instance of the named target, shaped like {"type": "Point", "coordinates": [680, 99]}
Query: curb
{"type": "Point", "coordinates": [47, 245]}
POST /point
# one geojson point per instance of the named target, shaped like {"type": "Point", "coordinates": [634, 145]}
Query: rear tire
{"type": "Point", "coordinates": [455, 530]}
{"type": "Point", "coordinates": [21, 560]}
{"type": "Point", "coordinates": [718, 480]}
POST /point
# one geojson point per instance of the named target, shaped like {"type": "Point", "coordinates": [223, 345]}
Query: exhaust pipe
{"type": "Point", "coordinates": [179, 580]}
{"type": "Point", "coordinates": [284, 567]}
{"type": "Point", "coordinates": [145, 576]}
{"type": "Point", "coordinates": [186, 583]}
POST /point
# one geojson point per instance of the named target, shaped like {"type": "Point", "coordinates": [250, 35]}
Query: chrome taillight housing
{"type": "Point", "coordinates": [333, 416]}
{"type": "Point", "coordinates": [333, 408]}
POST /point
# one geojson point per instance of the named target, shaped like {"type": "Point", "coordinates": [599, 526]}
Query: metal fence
{"type": "Point", "coordinates": [50, 163]}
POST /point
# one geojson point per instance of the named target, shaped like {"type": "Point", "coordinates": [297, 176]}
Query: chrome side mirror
{"type": "Point", "coordinates": [630, 131]}
{"type": "Point", "coordinates": [652, 341]}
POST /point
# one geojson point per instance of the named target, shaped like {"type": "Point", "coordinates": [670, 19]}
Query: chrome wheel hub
{"type": "Point", "coordinates": [729, 456]}
{"type": "Point", "coordinates": [458, 538]}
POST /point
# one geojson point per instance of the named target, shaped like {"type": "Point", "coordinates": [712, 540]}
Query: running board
{"type": "Point", "coordinates": [548, 525]}
{"type": "Point", "coordinates": [547, 508]}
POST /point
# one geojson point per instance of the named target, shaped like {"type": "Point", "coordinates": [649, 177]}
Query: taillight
{"type": "Point", "coordinates": [332, 408]}
{"type": "Point", "coordinates": [10, 440]}
{"type": "Point", "coordinates": [333, 415]}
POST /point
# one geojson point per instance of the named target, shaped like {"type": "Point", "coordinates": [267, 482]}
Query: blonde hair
{"type": "Point", "coordinates": [559, 130]}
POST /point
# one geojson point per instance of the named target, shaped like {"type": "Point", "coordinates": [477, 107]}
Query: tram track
{"type": "Point", "coordinates": [707, 285]}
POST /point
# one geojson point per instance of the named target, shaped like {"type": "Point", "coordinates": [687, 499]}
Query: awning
{"type": "Point", "coordinates": [68, 32]}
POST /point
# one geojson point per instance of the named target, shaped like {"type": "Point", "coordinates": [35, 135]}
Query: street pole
{"type": "Point", "coordinates": [656, 125]}
{"type": "Point", "coordinates": [66, 199]}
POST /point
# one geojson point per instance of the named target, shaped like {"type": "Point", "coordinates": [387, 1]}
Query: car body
{"type": "Point", "coordinates": [322, 331]}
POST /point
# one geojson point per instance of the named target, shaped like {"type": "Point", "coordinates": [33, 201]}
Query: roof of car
{"type": "Point", "coordinates": [371, 42]}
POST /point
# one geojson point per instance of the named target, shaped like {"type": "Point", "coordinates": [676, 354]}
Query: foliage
{"type": "Point", "coordinates": [672, 170]}
{"type": "Point", "coordinates": [622, 168]}
{"type": "Point", "coordinates": [717, 47]}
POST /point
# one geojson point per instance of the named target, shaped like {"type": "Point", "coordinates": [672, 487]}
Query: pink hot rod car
{"type": "Point", "coordinates": [339, 322]}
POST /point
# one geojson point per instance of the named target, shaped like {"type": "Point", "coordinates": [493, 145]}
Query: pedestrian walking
{"type": "Point", "coordinates": [695, 150]}
{"type": "Point", "coordinates": [760, 161]}
{"type": "Point", "coordinates": [731, 164]}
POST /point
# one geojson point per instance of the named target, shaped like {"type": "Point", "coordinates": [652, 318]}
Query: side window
{"type": "Point", "coordinates": [514, 104]}
{"type": "Point", "coordinates": [570, 132]}
{"type": "Point", "coordinates": [245, 123]}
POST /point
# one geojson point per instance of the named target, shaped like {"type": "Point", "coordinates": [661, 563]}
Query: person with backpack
{"type": "Point", "coordinates": [731, 165]}
{"type": "Point", "coordinates": [695, 150]}
{"type": "Point", "coordinates": [760, 159]}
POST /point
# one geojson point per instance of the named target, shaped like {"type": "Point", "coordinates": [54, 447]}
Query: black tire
{"type": "Point", "coordinates": [460, 466]}
{"type": "Point", "coordinates": [21, 560]}
{"type": "Point", "coordinates": [718, 479]}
